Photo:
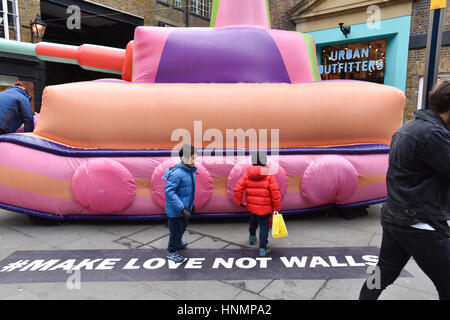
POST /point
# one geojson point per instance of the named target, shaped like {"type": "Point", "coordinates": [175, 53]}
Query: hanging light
{"type": "Point", "coordinates": [37, 28]}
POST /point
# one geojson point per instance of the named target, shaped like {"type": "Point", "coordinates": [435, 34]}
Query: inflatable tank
{"type": "Point", "coordinates": [100, 148]}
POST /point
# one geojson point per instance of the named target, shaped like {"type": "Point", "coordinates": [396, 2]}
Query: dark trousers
{"type": "Point", "coordinates": [177, 227]}
{"type": "Point", "coordinates": [430, 250]}
{"type": "Point", "coordinates": [263, 222]}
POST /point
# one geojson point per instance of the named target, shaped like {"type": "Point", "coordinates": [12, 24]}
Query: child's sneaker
{"type": "Point", "coordinates": [252, 239]}
{"type": "Point", "coordinates": [265, 252]}
{"type": "Point", "coordinates": [175, 257]}
{"type": "Point", "coordinates": [183, 245]}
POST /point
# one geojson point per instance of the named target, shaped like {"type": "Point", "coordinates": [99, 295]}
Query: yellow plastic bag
{"type": "Point", "coordinates": [279, 229]}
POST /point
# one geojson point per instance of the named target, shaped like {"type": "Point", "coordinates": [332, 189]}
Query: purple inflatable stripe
{"type": "Point", "coordinates": [226, 55]}
{"type": "Point", "coordinates": [60, 150]}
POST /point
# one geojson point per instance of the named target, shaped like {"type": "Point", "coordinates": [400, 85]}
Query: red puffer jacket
{"type": "Point", "coordinates": [262, 191]}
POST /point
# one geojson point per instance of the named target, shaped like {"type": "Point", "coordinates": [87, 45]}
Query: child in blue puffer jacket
{"type": "Point", "coordinates": [180, 193]}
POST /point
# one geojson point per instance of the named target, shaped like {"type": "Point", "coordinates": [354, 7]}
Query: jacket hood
{"type": "Point", "coordinates": [430, 116]}
{"type": "Point", "coordinates": [21, 91]}
{"type": "Point", "coordinates": [256, 172]}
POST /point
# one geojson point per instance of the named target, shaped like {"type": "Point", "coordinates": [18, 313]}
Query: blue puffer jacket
{"type": "Point", "coordinates": [179, 190]}
{"type": "Point", "coordinates": [15, 109]}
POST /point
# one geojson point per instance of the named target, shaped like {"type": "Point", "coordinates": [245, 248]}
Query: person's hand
{"type": "Point", "coordinates": [186, 213]}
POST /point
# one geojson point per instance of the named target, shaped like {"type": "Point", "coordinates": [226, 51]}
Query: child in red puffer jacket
{"type": "Point", "coordinates": [263, 197]}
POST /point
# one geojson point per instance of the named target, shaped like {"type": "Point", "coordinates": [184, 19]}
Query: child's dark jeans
{"type": "Point", "coordinates": [263, 222]}
{"type": "Point", "coordinates": [177, 227]}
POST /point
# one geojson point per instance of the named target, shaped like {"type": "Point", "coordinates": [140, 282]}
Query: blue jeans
{"type": "Point", "coordinates": [430, 250]}
{"type": "Point", "coordinates": [263, 222]}
{"type": "Point", "coordinates": [177, 227]}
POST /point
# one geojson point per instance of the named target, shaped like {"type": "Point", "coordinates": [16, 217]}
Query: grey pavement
{"type": "Point", "coordinates": [321, 229]}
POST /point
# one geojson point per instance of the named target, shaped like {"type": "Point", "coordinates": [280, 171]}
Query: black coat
{"type": "Point", "coordinates": [418, 178]}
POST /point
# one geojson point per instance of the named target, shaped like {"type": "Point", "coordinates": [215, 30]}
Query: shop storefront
{"type": "Point", "coordinates": [377, 55]}
{"type": "Point", "coordinates": [356, 61]}
{"type": "Point", "coordinates": [356, 39]}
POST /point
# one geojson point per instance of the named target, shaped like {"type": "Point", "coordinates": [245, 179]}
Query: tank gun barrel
{"type": "Point", "coordinates": [87, 56]}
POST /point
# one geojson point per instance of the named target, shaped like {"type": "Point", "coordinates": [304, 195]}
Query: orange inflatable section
{"type": "Point", "coordinates": [146, 116]}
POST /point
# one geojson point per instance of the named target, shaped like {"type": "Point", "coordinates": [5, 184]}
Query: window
{"type": "Point", "coordinates": [360, 61]}
{"type": "Point", "coordinates": [441, 77]}
{"type": "Point", "coordinates": [201, 7]}
{"type": "Point", "coordinates": [177, 3]}
{"type": "Point", "coordinates": [7, 82]}
{"type": "Point", "coordinates": [165, 25]}
{"type": "Point", "coordinates": [9, 20]}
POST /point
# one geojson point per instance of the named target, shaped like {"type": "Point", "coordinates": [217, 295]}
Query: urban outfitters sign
{"type": "Point", "coordinates": [358, 61]}
{"type": "Point", "coordinates": [201, 264]}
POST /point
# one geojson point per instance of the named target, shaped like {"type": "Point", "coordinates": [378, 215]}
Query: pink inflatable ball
{"type": "Point", "coordinates": [103, 186]}
{"type": "Point", "coordinates": [203, 184]}
{"type": "Point", "coordinates": [36, 118]}
{"type": "Point", "coordinates": [329, 179]}
{"type": "Point", "coordinates": [240, 169]}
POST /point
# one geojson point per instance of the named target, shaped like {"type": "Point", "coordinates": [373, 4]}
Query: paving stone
{"type": "Point", "coordinates": [292, 289]}
{"type": "Point", "coordinates": [340, 289]}
{"type": "Point", "coordinates": [236, 232]}
{"type": "Point", "coordinates": [12, 240]}
{"type": "Point", "coordinates": [162, 243]}
{"type": "Point", "coordinates": [397, 292]}
{"type": "Point", "coordinates": [22, 295]}
{"type": "Point", "coordinates": [197, 290]}
{"type": "Point", "coordinates": [245, 295]}
{"type": "Point", "coordinates": [376, 240]}
{"type": "Point", "coordinates": [255, 286]}
{"type": "Point", "coordinates": [62, 292]}
{"type": "Point", "coordinates": [99, 240]}
{"type": "Point", "coordinates": [150, 234]}
{"type": "Point", "coordinates": [208, 243]}
{"type": "Point", "coordinates": [123, 230]}
{"type": "Point", "coordinates": [114, 290]}
{"type": "Point", "coordinates": [129, 243]}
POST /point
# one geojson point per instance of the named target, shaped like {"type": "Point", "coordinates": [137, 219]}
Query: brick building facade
{"type": "Point", "coordinates": [416, 57]}
{"type": "Point", "coordinates": [278, 14]}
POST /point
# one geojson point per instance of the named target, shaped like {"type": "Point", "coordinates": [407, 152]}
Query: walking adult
{"type": "Point", "coordinates": [414, 218]}
{"type": "Point", "coordinates": [15, 109]}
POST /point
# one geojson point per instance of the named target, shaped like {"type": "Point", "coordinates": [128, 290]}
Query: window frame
{"type": "Point", "coordinates": [163, 24]}
{"type": "Point", "coordinates": [199, 6]}
{"type": "Point", "coordinates": [15, 15]}
{"type": "Point", "coordinates": [178, 6]}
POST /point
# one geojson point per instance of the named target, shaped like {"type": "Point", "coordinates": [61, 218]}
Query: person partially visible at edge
{"type": "Point", "coordinates": [15, 110]}
{"type": "Point", "coordinates": [180, 194]}
{"type": "Point", "coordinates": [414, 218]}
{"type": "Point", "coordinates": [263, 198]}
